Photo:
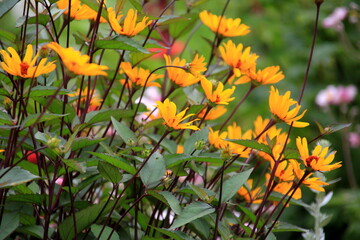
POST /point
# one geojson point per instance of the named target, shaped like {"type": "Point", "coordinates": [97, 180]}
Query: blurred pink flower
{"type": "Point", "coordinates": [354, 139]}
{"type": "Point", "coordinates": [151, 95]}
{"type": "Point", "coordinates": [333, 95]}
{"type": "Point", "coordinates": [334, 20]}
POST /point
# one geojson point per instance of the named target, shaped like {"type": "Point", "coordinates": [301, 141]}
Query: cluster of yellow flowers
{"type": "Point", "coordinates": [243, 69]}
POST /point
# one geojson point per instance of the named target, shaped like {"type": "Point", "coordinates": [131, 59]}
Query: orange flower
{"type": "Point", "coordinates": [217, 139]}
{"type": "Point", "coordinates": [77, 63]}
{"type": "Point", "coordinates": [320, 158]}
{"type": "Point", "coordinates": [25, 68]}
{"type": "Point", "coordinates": [240, 59]}
{"type": "Point", "coordinates": [214, 113]}
{"type": "Point", "coordinates": [218, 96]}
{"type": "Point", "coordinates": [173, 120]}
{"type": "Point", "coordinates": [197, 65]}
{"type": "Point", "coordinates": [130, 27]}
{"type": "Point", "coordinates": [227, 27]}
{"type": "Point", "coordinates": [138, 75]}
{"type": "Point", "coordinates": [250, 195]}
{"type": "Point", "coordinates": [269, 75]}
{"type": "Point", "coordinates": [78, 11]}
{"type": "Point", "coordinates": [280, 106]}
{"type": "Point", "coordinates": [179, 75]}
{"type": "Point", "coordinates": [95, 100]}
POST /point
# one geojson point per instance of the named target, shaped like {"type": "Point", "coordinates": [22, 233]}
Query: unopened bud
{"type": "Point", "coordinates": [53, 143]}
{"type": "Point", "coordinates": [44, 51]}
{"type": "Point", "coordinates": [199, 144]}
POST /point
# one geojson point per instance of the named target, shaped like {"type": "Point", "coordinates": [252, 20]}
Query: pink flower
{"type": "Point", "coordinates": [334, 20]}
{"type": "Point", "coordinates": [333, 95]}
{"type": "Point", "coordinates": [354, 139]}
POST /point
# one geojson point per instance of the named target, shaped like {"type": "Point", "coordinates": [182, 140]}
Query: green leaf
{"type": "Point", "coordinates": [7, 35]}
{"type": "Point", "coordinates": [178, 29]}
{"type": "Point", "coordinates": [84, 219]}
{"type": "Point", "coordinates": [168, 144]}
{"type": "Point", "coordinates": [194, 139]}
{"type": "Point", "coordinates": [336, 127]}
{"type": "Point", "coordinates": [193, 211]}
{"type": "Point", "coordinates": [15, 176]}
{"type": "Point", "coordinates": [287, 227]}
{"type": "Point", "coordinates": [253, 144]}
{"type": "Point", "coordinates": [5, 119]}
{"type": "Point", "coordinates": [31, 119]}
{"type": "Point", "coordinates": [176, 235]}
{"type": "Point", "coordinates": [96, 229]}
{"type": "Point", "coordinates": [116, 161]}
{"type": "Point", "coordinates": [82, 142]}
{"type": "Point", "coordinates": [75, 165]}
{"type": "Point", "coordinates": [175, 159]}
{"type": "Point", "coordinates": [232, 185]}
{"type": "Point", "coordinates": [109, 172]}
{"type": "Point", "coordinates": [6, 6]}
{"type": "Point", "coordinates": [154, 169]}
{"type": "Point", "coordinates": [56, 107]}
{"type": "Point", "coordinates": [27, 198]}
{"type": "Point", "coordinates": [168, 198]}
{"type": "Point", "coordinates": [202, 193]}
{"type": "Point", "coordinates": [33, 230]}
{"type": "Point", "coordinates": [104, 115]}
{"type": "Point", "coordinates": [136, 5]}
{"type": "Point", "coordinates": [41, 91]}
{"type": "Point", "coordinates": [124, 132]}
{"type": "Point", "coordinates": [10, 221]}
{"type": "Point", "coordinates": [120, 43]}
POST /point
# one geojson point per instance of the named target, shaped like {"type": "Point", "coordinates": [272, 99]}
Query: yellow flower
{"type": "Point", "coordinates": [269, 75]}
{"type": "Point", "coordinates": [311, 182]}
{"type": "Point", "coordinates": [240, 59]}
{"type": "Point", "coordinates": [197, 65]}
{"type": "Point", "coordinates": [227, 27]}
{"type": "Point", "coordinates": [250, 195]}
{"type": "Point", "coordinates": [218, 96]}
{"type": "Point", "coordinates": [77, 63]}
{"type": "Point", "coordinates": [26, 68]}
{"type": "Point", "coordinates": [320, 158]}
{"type": "Point", "coordinates": [130, 27]}
{"type": "Point", "coordinates": [280, 106]}
{"type": "Point", "coordinates": [95, 100]}
{"type": "Point", "coordinates": [179, 75]}
{"type": "Point", "coordinates": [173, 120]}
{"type": "Point", "coordinates": [217, 139]}
{"type": "Point", "coordinates": [138, 75]}
{"type": "Point", "coordinates": [214, 113]}
{"type": "Point", "coordinates": [78, 11]}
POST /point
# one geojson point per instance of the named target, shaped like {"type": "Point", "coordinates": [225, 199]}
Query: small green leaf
{"type": "Point", "coordinates": [106, 114]}
{"type": "Point", "coordinates": [42, 91]}
{"type": "Point", "coordinates": [175, 235]}
{"type": "Point", "coordinates": [190, 143]}
{"type": "Point", "coordinates": [116, 161]}
{"type": "Point", "coordinates": [202, 193]}
{"type": "Point", "coordinates": [96, 229]}
{"type": "Point", "coordinates": [287, 227]}
{"type": "Point", "coordinates": [232, 185]}
{"type": "Point", "coordinates": [175, 159]}
{"type": "Point", "coordinates": [154, 169]}
{"type": "Point", "coordinates": [124, 132]}
{"type": "Point", "coordinates": [15, 176]}
{"type": "Point", "coordinates": [10, 221]}
{"type": "Point", "coordinates": [178, 29]}
{"type": "Point", "coordinates": [37, 117]}
{"type": "Point", "coordinates": [82, 142]}
{"type": "Point", "coordinates": [253, 144]}
{"type": "Point", "coordinates": [6, 6]}
{"type": "Point", "coordinates": [5, 119]}
{"type": "Point", "coordinates": [33, 230]}
{"type": "Point", "coordinates": [168, 144]}
{"type": "Point", "coordinates": [7, 35]}
{"type": "Point", "coordinates": [27, 198]}
{"type": "Point", "coordinates": [193, 211]}
{"type": "Point", "coordinates": [120, 43]}
{"type": "Point", "coordinates": [336, 127]}
{"type": "Point", "coordinates": [75, 165]}
{"type": "Point", "coordinates": [109, 172]}
{"type": "Point", "coordinates": [136, 5]}
{"type": "Point", "coordinates": [56, 107]}
{"type": "Point", "coordinates": [168, 198]}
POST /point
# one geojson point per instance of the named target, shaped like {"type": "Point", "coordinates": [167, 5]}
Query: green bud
{"type": "Point", "coordinates": [53, 143]}
{"type": "Point", "coordinates": [199, 144]}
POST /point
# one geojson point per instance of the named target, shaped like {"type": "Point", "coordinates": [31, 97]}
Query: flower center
{"type": "Point", "coordinates": [24, 68]}
{"type": "Point", "coordinates": [310, 159]}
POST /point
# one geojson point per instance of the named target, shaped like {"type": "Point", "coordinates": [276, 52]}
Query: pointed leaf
{"type": "Point", "coordinates": [124, 132]}
{"type": "Point", "coordinates": [121, 43]}
{"type": "Point", "coordinates": [154, 169]}
{"type": "Point", "coordinates": [10, 221]}
{"type": "Point", "coordinates": [168, 198]}
{"type": "Point", "coordinates": [15, 177]}
{"type": "Point", "coordinates": [116, 161]}
{"type": "Point", "coordinates": [232, 185]}
{"type": "Point", "coordinates": [109, 172]}
{"type": "Point", "coordinates": [6, 6]}
{"type": "Point", "coordinates": [96, 229]}
{"type": "Point", "coordinates": [31, 119]}
{"type": "Point", "coordinates": [41, 91]}
{"type": "Point", "coordinates": [198, 136]}
{"type": "Point", "coordinates": [106, 114]}
{"type": "Point", "coordinates": [253, 144]}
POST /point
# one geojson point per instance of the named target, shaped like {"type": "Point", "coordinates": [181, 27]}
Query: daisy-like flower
{"type": "Point", "coordinates": [227, 27]}
{"type": "Point", "coordinates": [138, 75]}
{"type": "Point", "coordinates": [239, 59]}
{"type": "Point", "coordinates": [168, 113]}
{"type": "Point", "coordinates": [320, 158]}
{"type": "Point", "coordinates": [219, 95]}
{"type": "Point", "coordinates": [217, 139]}
{"type": "Point", "coordinates": [280, 107]}
{"type": "Point", "coordinates": [178, 75]}
{"type": "Point", "coordinates": [249, 194]}
{"type": "Point", "coordinates": [130, 26]}
{"type": "Point", "coordinates": [311, 182]}
{"type": "Point", "coordinates": [95, 100]}
{"type": "Point", "coordinates": [78, 10]}
{"type": "Point", "coordinates": [77, 63]}
{"type": "Point", "coordinates": [214, 113]}
{"type": "Point", "coordinates": [25, 68]}
{"type": "Point", "coordinates": [269, 75]}
{"type": "Point", "coordinates": [197, 65]}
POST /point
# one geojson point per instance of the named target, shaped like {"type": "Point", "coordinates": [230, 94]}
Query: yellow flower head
{"type": "Point", "coordinates": [25, 68]}
{"type": "Point", "coordinates": [219, 95]}
{"type": "Point", "coordinates": [249, 194]}
{"type": "Point", "coordinates": [77, 63]}
{"type": "Point", "coordinates": [214, 113]}
{"type": "Point", "coordinates": [227, 27]}
{"type": "Point", "coordinates": [269, 75]}
{"type": "Point", "coordinates": [197, 65]}
{"type": "Point", "coordinates": [178, 75]}
{"type": "Point", "coordinates": [311, 182]}
{"type": "Point", "coordinates": [240, 59]}
{"type": "Point", "coordinates": [217, 139]}
{"type": "Point", "coordinates": [78, 11]}
{"type": "Point", "coordinates": [320, 158]}
{"type": "Point", "coordinates": [138, 75]}
{"type": "Point", "coordinates": [280, 106]}
{"type": "Point", "coordinates": [130, 26]}
{"type": "Point", "coordinates": [168, 113]}
{"type": "Point", "coordinates": [95, 100]}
